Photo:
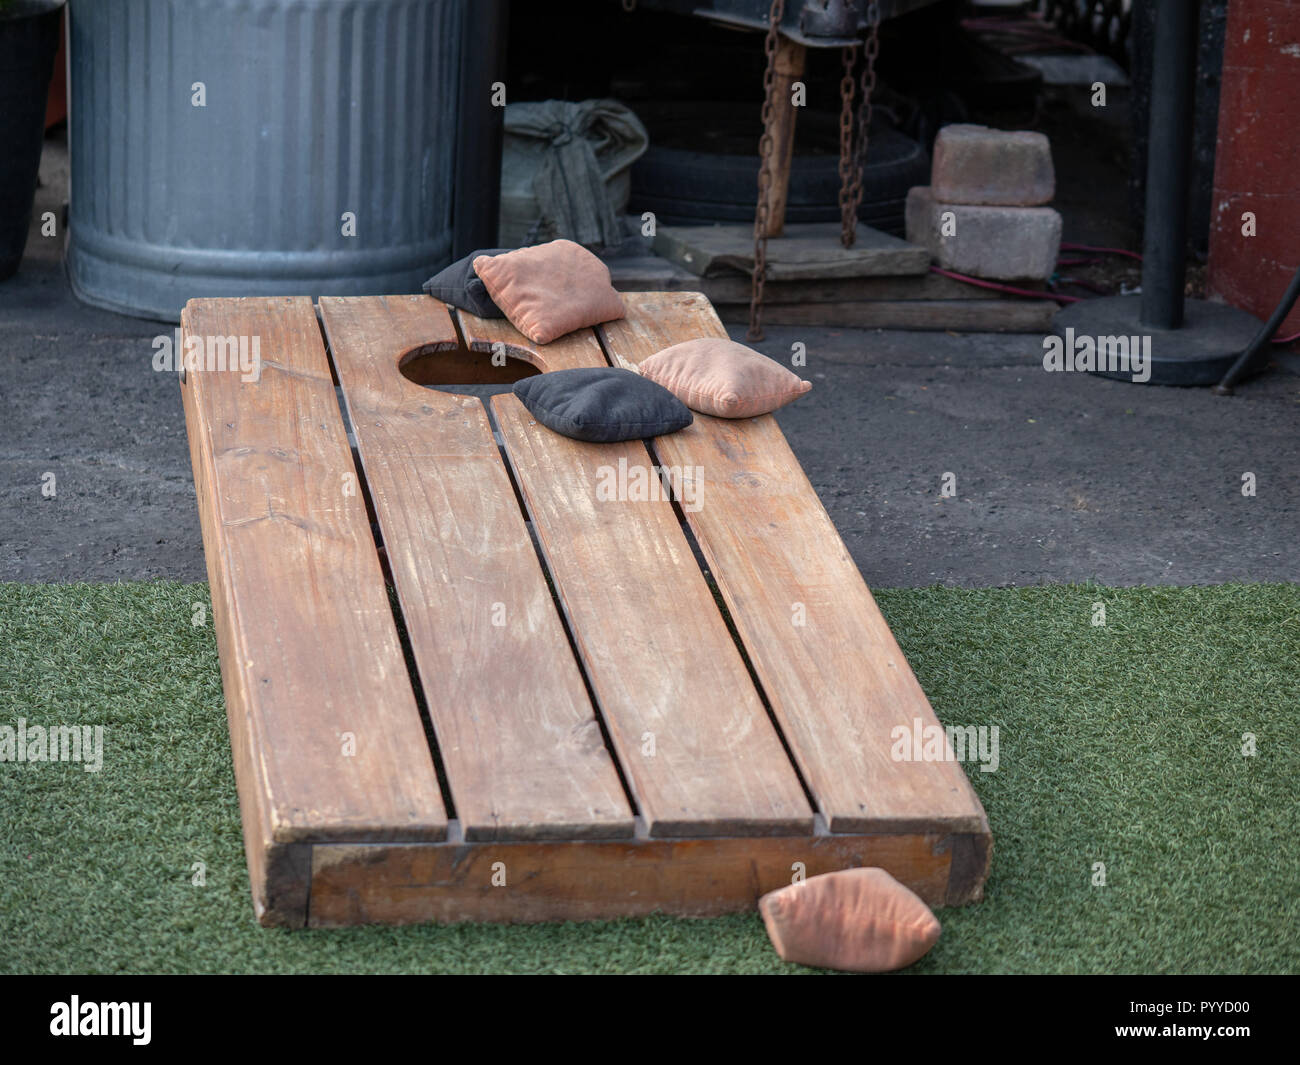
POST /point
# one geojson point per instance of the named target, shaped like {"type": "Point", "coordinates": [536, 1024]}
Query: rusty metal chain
{"type": "Point", "coordinates": [765, 148]}
{"type": "Point", "coordinates": [848, 211]}
{"type": "Point", "coordinates": [853, 148]}
{"type": "Point", "coordinates": [851, 196]}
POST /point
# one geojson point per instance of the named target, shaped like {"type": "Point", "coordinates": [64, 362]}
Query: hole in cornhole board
{"type": "Point", "coordinates": [433, 365]}
{"type": "Point", "coordinates": [469, 370]}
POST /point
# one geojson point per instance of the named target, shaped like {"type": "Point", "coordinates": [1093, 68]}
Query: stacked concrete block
{"type": "Point", "coordinates": [982, 212]}
{"type": "Point", "coordinates": [996, 243]}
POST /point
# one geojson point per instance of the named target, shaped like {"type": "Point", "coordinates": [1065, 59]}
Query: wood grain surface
{"type": "Point", "coordinates": [524, 754]}
{"type": "Point", "coordinates": [689, 729]}
{"type": "Point", "coordinates": [834, 674]}
{"type": "Point", "coordinates": [327, 734]}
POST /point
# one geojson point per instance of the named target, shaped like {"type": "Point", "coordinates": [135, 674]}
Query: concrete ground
{"type": "Point", "coordinates": [1058, 477]}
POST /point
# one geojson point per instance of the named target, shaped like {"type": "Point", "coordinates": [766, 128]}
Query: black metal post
{"type": "Point", "coordinates": [1192, 342]}
{"type": "Point", "coordinates": [1164, 247]}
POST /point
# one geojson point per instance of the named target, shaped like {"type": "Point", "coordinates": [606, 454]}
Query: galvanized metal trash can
{"type": "Point", "coordinates": [259, 147]}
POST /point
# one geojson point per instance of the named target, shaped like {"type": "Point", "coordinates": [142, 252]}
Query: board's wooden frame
{"type": "Point", "coordinates": [305, 873]}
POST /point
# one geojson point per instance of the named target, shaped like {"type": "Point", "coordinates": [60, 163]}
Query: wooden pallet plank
{"type": "Point", "coordinates": [836, 679]}
{"type": "Point", "coordinates": [651, 273]}
{"type": "Point", "coordinates": [497, 336]}
{"type": "Point", "coordinates": [326, 734]}
{"type": "Point", "coordinates": [691, 732]}
{"type": "Point", "coordinates": [806, 251]}
{"type": "Point", "coordinates": [523, 752]}
{"type": "Point", "coordinates": [709, 774]}
{"type": "Point", "coordinates": [604, 879]}
{"type": "Point", "coordinates": [278, 877]}
{"type": "Point", "coordinates": [973, 316]}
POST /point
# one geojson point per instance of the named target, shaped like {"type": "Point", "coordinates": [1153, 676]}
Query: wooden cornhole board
{"type": "Point", "coordinates": [569, 727]}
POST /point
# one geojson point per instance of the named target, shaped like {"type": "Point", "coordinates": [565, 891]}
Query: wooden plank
{"type": "Point", "coordinates": [980, 316]}
{"type": "Point", "coordinates": [696, 745]}
{"type": "Point", "coordinates": [523, 752]}
{"type": "Point", "coordinates": [787, 69]}
{"type": "Point", "coordinates": [598, 880]}
{"type": "Point", "coordinates": [327, 738]}
{"type": "Point", "coordinates": [279, 874]}
{"type": "Point", "coordinates": [650, 273]}
{"type": "Point", "coordinates": [497, 335]}
{"type": "Point", "coordinates": [834, 675]}
{"type": "Point", "coordinates": [805, 252]}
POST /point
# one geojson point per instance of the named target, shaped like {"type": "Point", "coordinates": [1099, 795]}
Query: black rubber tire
{"type": "Point", "coordinates": [683, 187]}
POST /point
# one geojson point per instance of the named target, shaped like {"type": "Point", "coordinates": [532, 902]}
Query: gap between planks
{"type": "Point", "coordinates": [839, 684]}
{"type": "Point", "coordinates": [518, 346]}
{"type": "Point", "coordinates": [909, 811]}
{"type": "Point", "coordinates": [412, 664]}
{"type": "Point", "coordinates": [659, 651]}
{"type": "Point", "coordinates": [524, 755]}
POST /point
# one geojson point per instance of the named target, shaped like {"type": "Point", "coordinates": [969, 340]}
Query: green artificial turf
{"type": "Point", "coordinates": [1119, 744]}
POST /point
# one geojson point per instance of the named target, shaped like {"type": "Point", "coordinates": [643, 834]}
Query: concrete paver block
{"type": "Point", "coordinates": [995, 243]}
{"type": "Point", "coordinates": [992, 167]}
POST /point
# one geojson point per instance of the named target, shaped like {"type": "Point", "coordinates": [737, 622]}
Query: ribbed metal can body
{"type": "Point", "coordinates": [259, 147]}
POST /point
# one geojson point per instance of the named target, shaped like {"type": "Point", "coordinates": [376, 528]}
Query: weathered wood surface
{"type": "Point", "coordinates": [969, 315]}
{"type": "Point", "coordinates": [523, 751]}
{"type": "Point", "coordinates": [312, 664]}
{"type": "Point", "coordinates": [297, 575]}
{"type": "Point", "coordinates": [695, 743]}
{"type": "Point", "coordinates": [651, 273]}
{"type": "Point", "coordinates": [836, 679]}
{"type": "Point", "coordinates": [326, 746]}
{"type": "Point", "coordinates": [498, 336]}
{"type": "Point", "coordinates": [787, 69]}
{"type": "Point", "coordinates": [923, 301]}
{"type": "Point", "coordinates": [529, 882]}
{"type": "Point", "coordinates": [806, 251]}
